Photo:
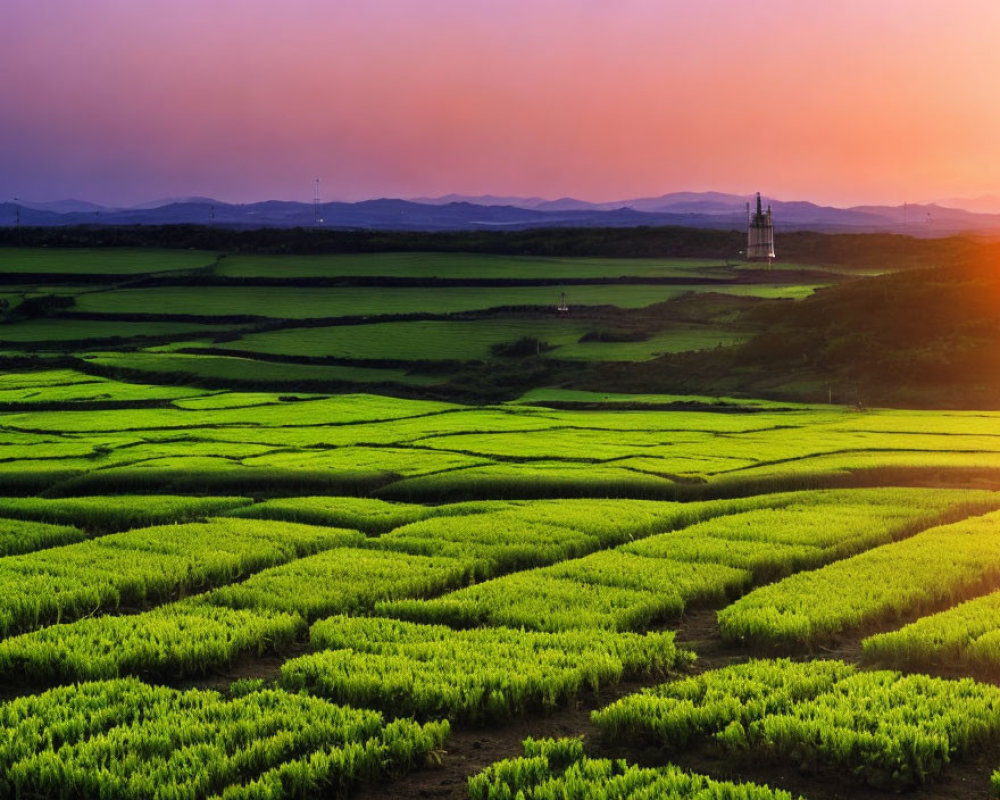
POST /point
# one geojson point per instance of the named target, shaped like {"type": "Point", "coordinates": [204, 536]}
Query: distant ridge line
{"type": "Point", "coordinates": [711, 210]}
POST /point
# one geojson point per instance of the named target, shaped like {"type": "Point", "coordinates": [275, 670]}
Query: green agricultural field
{"type": "Point", "coordinates": [383, 663]}
{"type": "Point", "coordinates": [560, 768]}
{"type": "Point", "coordinates": [681, 339]}
{"type": "Point", "coordinates": [888, 729]}
{"type": "Point", "coordinates": [363, 514]}
{"type": "Point", "coordinates": [172, 316]}
{"type": "Point", "coordinates": [934, 568]}
{"type": "Point", "coordinates": [15, 380]}
{"type": "Point", "coordinates": [306, 302]}
{"type": "Point", "coordinates": [546, 395]}
{"type": "Point", "coordinates": [408, 341]}
{"type": "Point", "coordinates": [82, 388]}
{"type": "Point", "coordinates": [262, 543]}
{"type": "Point", "coordinates": [462, 265]}
{"type": "Point", "coordinates": [111, 513]}
{"type": "Point", "coordinates": [158, 365]}
{"type": "Point", "coordinates": [469, 341]}
{"type": "Point", "coordinates": [116, 261]}
{"type": "Point", "coordinates": [128, 739]}
{"type": "Point", "coordinates": [65, 334]}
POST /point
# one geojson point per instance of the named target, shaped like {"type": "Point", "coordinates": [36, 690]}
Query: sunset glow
{"type": "Point", "coordinates": [860, 101]}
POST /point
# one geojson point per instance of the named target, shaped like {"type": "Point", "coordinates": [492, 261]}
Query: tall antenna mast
{"type": "Point", "coordinates": [317, 219]}
{"type": "Point", "coordinates": [760, 234]}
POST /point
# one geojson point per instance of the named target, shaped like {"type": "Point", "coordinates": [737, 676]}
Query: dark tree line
{"type": "Point", "coordinates": [850, 250]}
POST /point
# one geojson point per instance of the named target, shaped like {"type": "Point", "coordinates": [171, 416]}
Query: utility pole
{"type": "Point", "coordinates": [317, 219]}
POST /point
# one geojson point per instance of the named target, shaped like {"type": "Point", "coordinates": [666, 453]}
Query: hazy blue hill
{"type": "Point", "coordinates": [68, 206]}
{"type": "Point", "coordinates": [482, 200]}
{"type": "Point", "coordinates": [454, 213]}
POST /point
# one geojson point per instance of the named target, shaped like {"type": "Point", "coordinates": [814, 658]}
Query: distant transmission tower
{"type": "Point", "coordinates": [317, 219]}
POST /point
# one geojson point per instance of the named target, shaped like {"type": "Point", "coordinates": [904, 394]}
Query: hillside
{"type": "Point", "coordinates": [924, 337]}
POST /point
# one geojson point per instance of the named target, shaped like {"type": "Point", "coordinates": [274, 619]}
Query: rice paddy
{"type": "Point", "coordinates": [227, 572]}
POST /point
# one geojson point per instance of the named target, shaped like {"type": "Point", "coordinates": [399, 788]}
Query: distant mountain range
{"type": "Point", "coordinates": [486, 212]}
{"type": "Point", "coordinates": [984, 204]}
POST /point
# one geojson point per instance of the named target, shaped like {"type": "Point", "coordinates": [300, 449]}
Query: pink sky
{"type": "Point", "coordinates": [856, 101]}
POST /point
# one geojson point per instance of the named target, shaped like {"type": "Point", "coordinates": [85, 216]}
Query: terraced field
{"type": "Point", "coordinates": [346, 301]}
{"type": "Point", "coordinates": [214, 593]}
{"type": "Point", "coordinates": [252, 545]}
{"type": "Point", "coordinates": [462, 265]}
{"type": "Point", "coordinates": [389, 320]}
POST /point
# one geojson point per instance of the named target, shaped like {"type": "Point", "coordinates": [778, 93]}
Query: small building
{"type": "Point", "coordinates": [760, 234]}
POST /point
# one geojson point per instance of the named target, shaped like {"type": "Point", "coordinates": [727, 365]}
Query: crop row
{"type": "Point", "coordinates": [327, 447]}
{"type": "Point", "coordinates": [189, 637]}
{"type": "Point", "coordinates": [402, 461]}
{"type": "Point", "coordinates": [557, 769]}
{"type": "Point", "coordinates": [364, 514]}
{"type": "Point", "coordinates": [126, 739]}
{"type": "Point", "coordinates": [133, 569]}
{"type": "Point", "coordinates": [615, 589]}
{"type": "Point", "coordinates": [20, 536]}
{"type": "Point", "coordinates": [612, 590]}
{"type": "Point", "coordinates": [529, 534]}
{"type": "Point", "coordinates": [148, 565]}
{"type": "Point", "coordinates": [86, 389]}
{"type": "Point", "coordinates": [339, 410]}
{"type": "Point", "coordinates": [967, 635]}
{"type": "Point", "coordinates": [342, 580]}
{"type": "Point", "coordinates": [655, 578]}
{"type": "Point", "coordinates": [434, 671]}
{"type": "Point", "coordinates": [205, 633]}
{"type": "Point", "coordinates": [538, 479]}
{"type": "Point", "coordinates": [803, 530]}
{"type": "Point", "coordinates": [215, 475]}
{"type": "Point", "coordinates": [886, 728]}
{"type": "Point", "coordinates": [941, 566]}
{"type": "Point", "coordinates": [110, 513]}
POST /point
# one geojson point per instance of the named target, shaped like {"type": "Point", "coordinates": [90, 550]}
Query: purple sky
{"type": "Point", "coordinates": [122, 101]}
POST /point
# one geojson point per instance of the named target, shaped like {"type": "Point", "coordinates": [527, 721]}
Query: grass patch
{"type": "Point", "coordinates": [252, 371]}
{"type": "Point", "coordinates": [110, 513]}
{"type": "Point", "coordinates": [110, 261]}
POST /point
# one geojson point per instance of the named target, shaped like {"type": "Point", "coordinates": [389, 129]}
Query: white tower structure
{"type": "Point", "coordinates": [760, 234]}
{"type": "Point", "coordinates": [317, 219]}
